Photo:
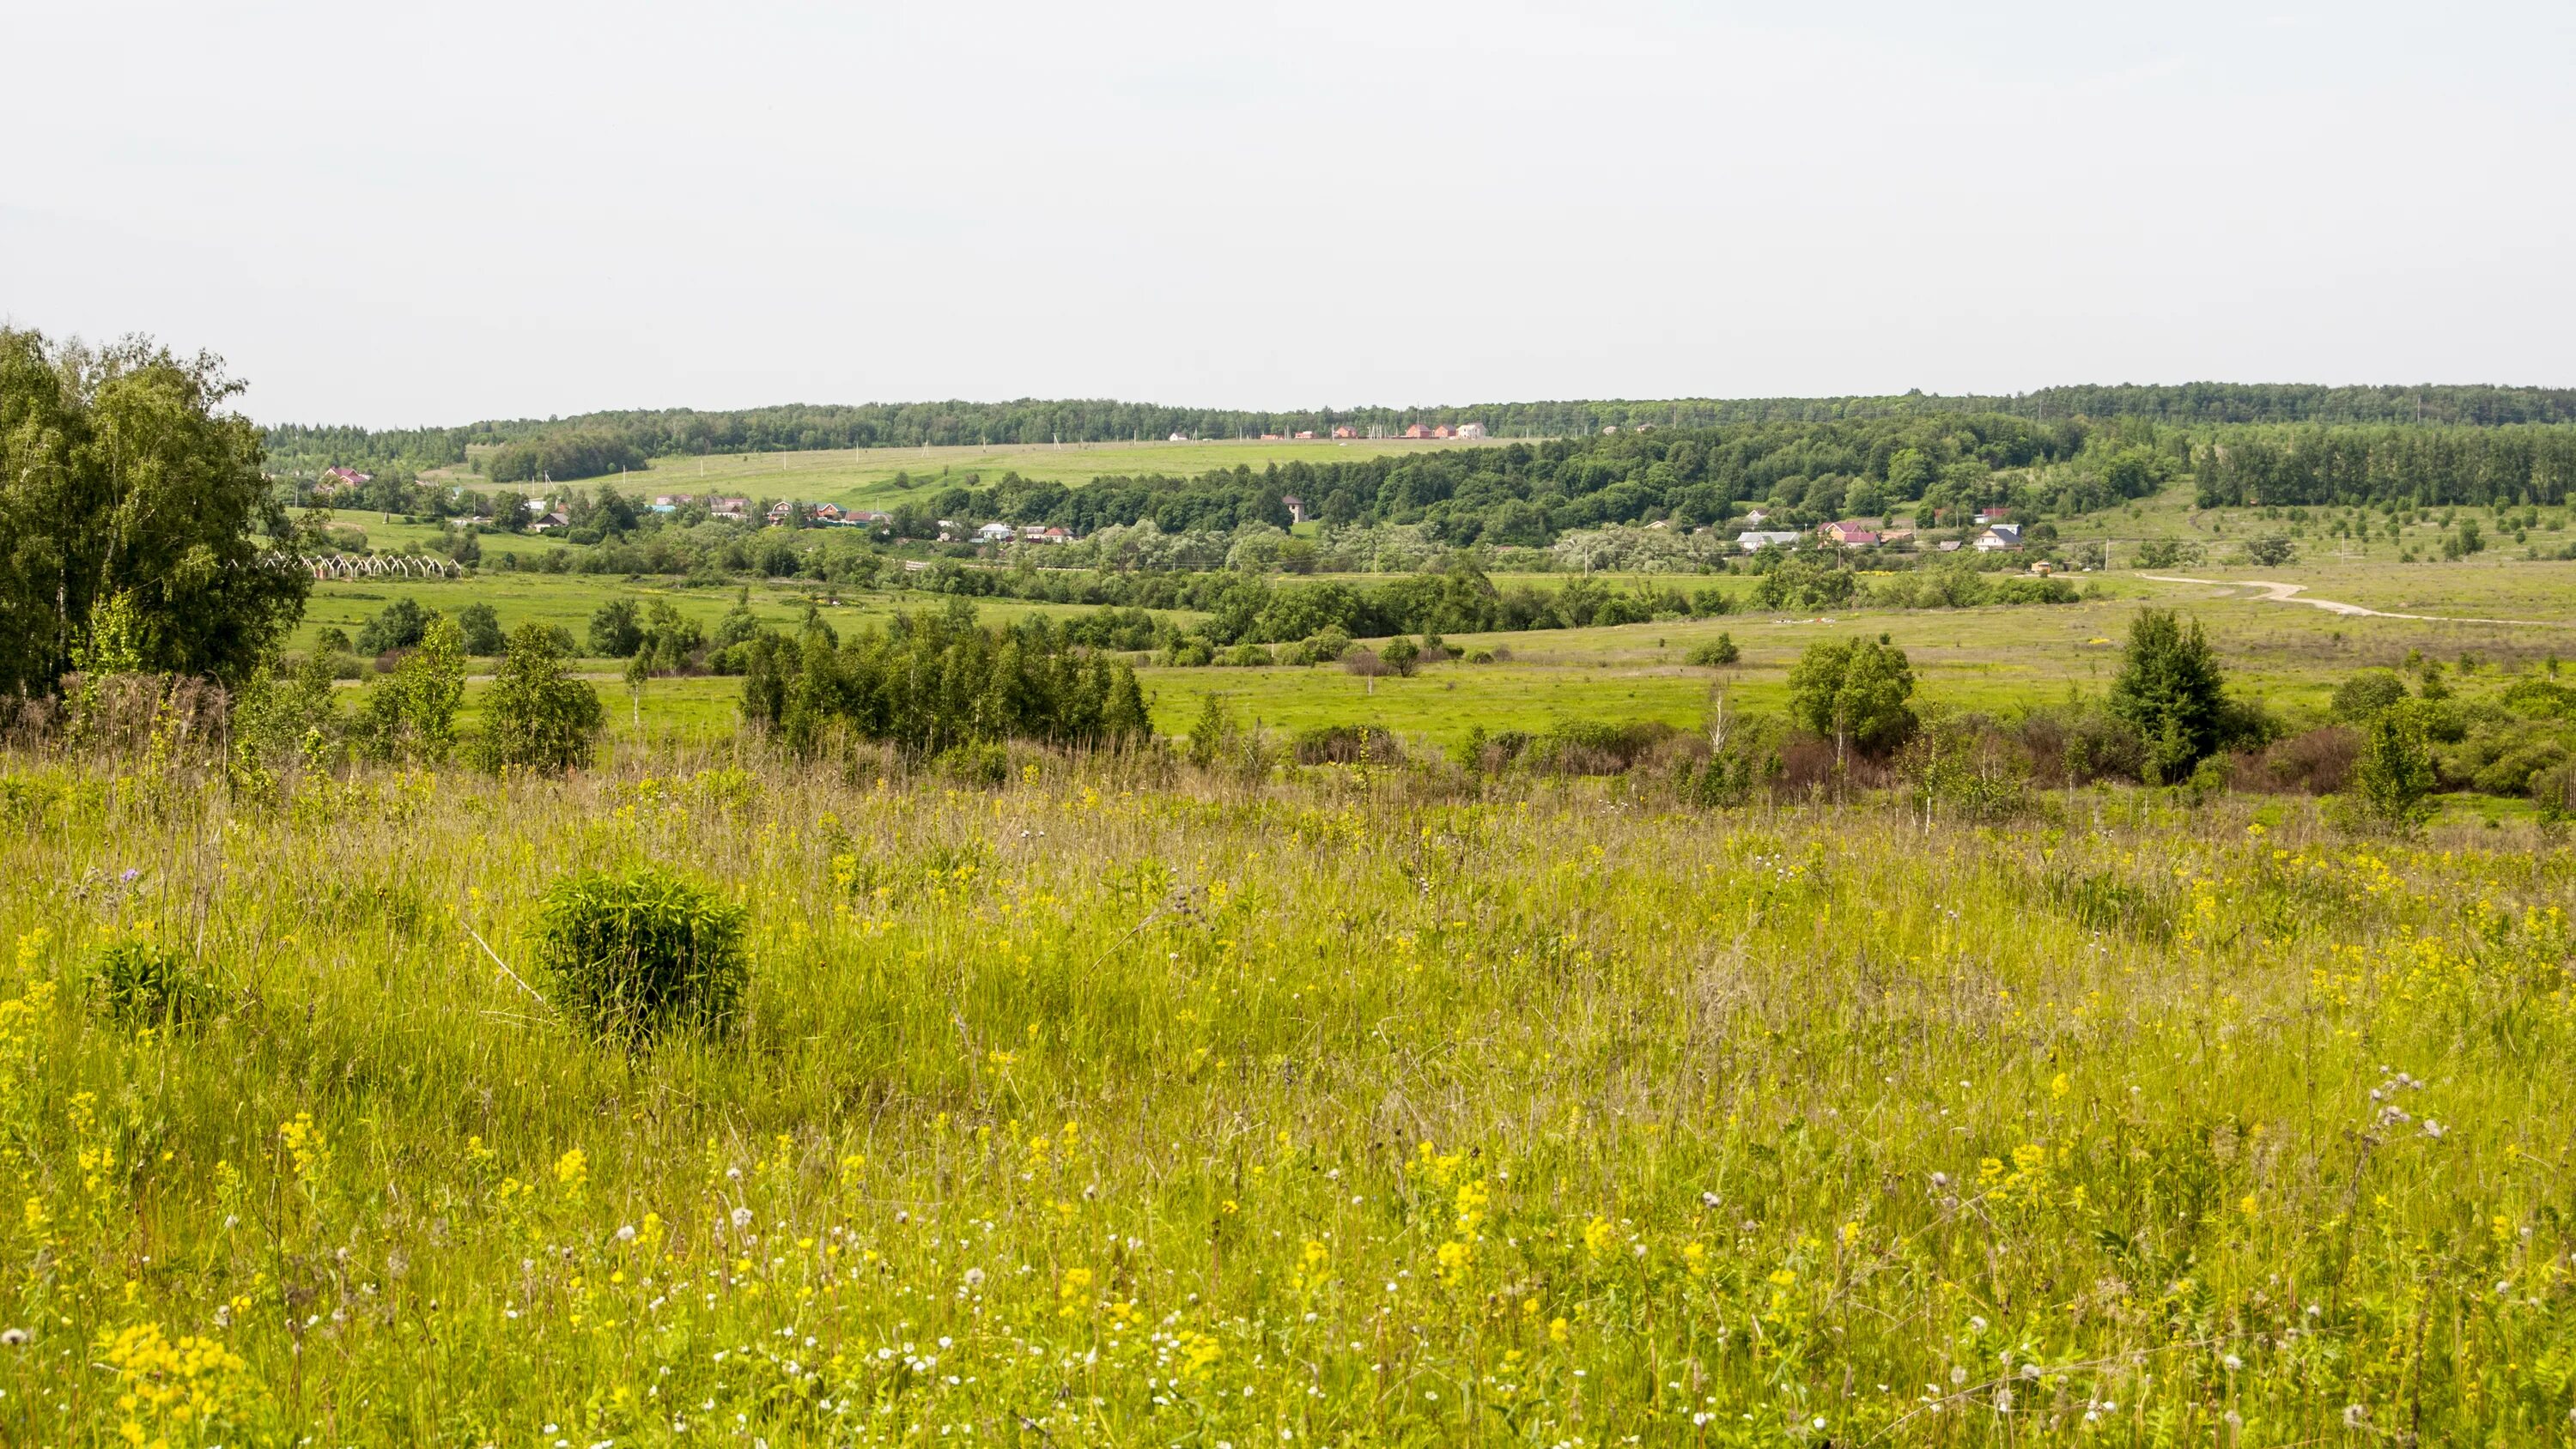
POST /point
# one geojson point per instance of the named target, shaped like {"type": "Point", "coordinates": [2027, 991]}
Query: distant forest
{"type": "Point", "coordinates": [596, 443]}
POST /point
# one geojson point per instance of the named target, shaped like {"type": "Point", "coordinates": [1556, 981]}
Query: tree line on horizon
{"type": "Point", "coordinates": [614, 439]}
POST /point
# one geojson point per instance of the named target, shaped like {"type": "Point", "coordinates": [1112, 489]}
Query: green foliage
{"type": "Point", "coordinates": [410, 714]}
{"type": "Point", "coordinates": [1715, 652]}
{"type": "Point", "coordinates": [562, 456]}
{"type": "Point", "coordinates": [2165, 553]}
{"type": "Point", "coordinates": [1953, 768]}
{"type": "Point", "coordinates": [617, 629]}
{"type": "Point", "coordinates": [139, 982]}
{"type": "Point", "coordinates": [482, 630]}
{"type": "Point", "coordinates": [984, 765]}
{"type": "Point", "coordinates": [2395, 772]}
{"type": "Point", "coordinates": [398, 625]}
{"type": "Point", "coordinates": [119, 478]}
{"type": "Point", "coordinates": [927, 682]}
{"type": "Point", "coordinates": [631, 956]}
{"type": "Point", "coordinates": [537, 717]}
{"type": "Point", "coordinates": [1801, 582]}
{"type": "Point", "coordinates": [670, 641]}
{"type": "Point", "coordinates": [2171, 692]}
{"type": "Point", "coordinates": [2271, 550]}
{"type": "Point", "coordinates": [1853, 692]}
{"type": "Point", "coordinates": [1401, 655]}
{"type": "Point", "coordinates": [2361, 698]}
{"type": "Point", "coordinates": [1212, 731]}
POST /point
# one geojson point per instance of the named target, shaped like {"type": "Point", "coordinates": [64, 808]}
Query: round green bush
{"type": "Point", "coordinates": [631, 956]}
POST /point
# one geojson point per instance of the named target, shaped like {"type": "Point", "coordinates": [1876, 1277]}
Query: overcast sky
{"type": "Point", "coordinates": [435, 213]}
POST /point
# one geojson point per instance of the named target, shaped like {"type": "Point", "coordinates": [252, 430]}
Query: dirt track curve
{"type": "Point", "coordinates": [2290, 594]}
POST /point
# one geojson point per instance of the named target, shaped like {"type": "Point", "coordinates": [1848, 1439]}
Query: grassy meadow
{"type": "Point", "coordinates": [1993, 659]}
{"type": "Point", "coordinates": [865, 477]}
{"type": "Point", "coordinates": [1128, 1104]}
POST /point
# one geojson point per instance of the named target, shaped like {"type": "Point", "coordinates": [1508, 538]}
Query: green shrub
{"type": "Point", "coordinates": [141, 983]}
{"type": "Point", "coordinates": [984, 765]}
{"type": "Point", "coordinates": [538, 716]}
{"type": "Point", "coordinates": [1718, 651]}
{"type": "Point", "coordinates": [2395, 772]}
{"type": "Point", "coordinates": [2360, 698]}
{"type": "Point", "coordinates": [631, 956]}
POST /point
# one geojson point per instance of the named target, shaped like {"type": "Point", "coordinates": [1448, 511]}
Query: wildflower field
{"type": "Point", "coordinates": [1129, 1104]}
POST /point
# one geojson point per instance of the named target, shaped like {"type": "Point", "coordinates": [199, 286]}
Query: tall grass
{"type": "Point", "coordinates": [1124, 1107]}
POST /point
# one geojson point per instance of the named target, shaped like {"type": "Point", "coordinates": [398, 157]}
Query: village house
{"type": "Point", "coordinates": [994, 533]}
{"type": "Point", "coordinates": [2000, 536]}
{"type": "Point", "coordinates": [1754, 540]}
{"type": "Point", "coordinates": [1418, 430]}
{"type": "Point", "coordinates": [1993, 515]}
{"type": "Point", "coordinates": [732, 510]}
{"type": "Point", "coordinates": [1306, 435]}
{"type": "Point", "coordinates": [1850, 532]}
{"type": "Point", "coordinates": [550, 522]}
{"type": "Point", "coordinates": [1757, 516]}
{"type": "Point", "coordinates": [1471, 430]}
{"type": "Point", "coordinates": [1178, 437]}
{"type": "Point", "coordinates": [1296, 507]}
{"type": "Point", "coordinates": [785, 508]}
{"type": "Point", "coordinates": [335, 480]}
{"type": "Point", "coordinates": [671, 502]}
{"type": "Point", "coordinates": [1346, 431]}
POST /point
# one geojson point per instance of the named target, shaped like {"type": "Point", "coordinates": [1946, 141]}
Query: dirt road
{"type": "Point", "coordinates": [2290, 594]}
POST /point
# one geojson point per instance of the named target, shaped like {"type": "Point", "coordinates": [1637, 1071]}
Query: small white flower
{"type": "Point", "coordinates": [2233, 1363]}
{"type": "Point", "coordinates": [626, 1234]}
{"type": "Point", "coordinates": [12, 1337]}
{"type": "Point", "coordinates": [2433, 1128]}
{"type": "Point", "coordinates": [741, 1218]}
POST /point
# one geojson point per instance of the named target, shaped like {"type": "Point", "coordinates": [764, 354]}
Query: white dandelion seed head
{"type": "Point", "coordinates": [626, 1234]}
{"type": "Point", "coordinates": [741, 1217]}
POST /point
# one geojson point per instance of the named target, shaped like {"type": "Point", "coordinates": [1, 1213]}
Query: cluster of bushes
{"type": "Point", "coordinates": [536, 717]}
{"type": "Point", "coordinates": [935, 682]}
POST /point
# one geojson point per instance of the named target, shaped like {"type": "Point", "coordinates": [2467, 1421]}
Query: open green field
{"type": "Point", "coordinates": [864, 477]}
{"type": "Point", "coordinates": [1993, 659]}
{"type": "Point", "coordinates": [1132, 1105]}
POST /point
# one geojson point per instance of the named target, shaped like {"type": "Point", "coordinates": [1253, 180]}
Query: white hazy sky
{"type": "Point", "coordinates": [434, 213]}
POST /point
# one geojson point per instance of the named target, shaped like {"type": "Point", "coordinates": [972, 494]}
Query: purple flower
{"type": "Point", "coordinates": [130, 874]}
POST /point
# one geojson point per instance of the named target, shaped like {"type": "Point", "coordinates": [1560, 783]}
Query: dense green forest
{"type": "Point", "coordinates": [2422, 467]}
{"type": "Point", "coordinates": [300, 448]}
